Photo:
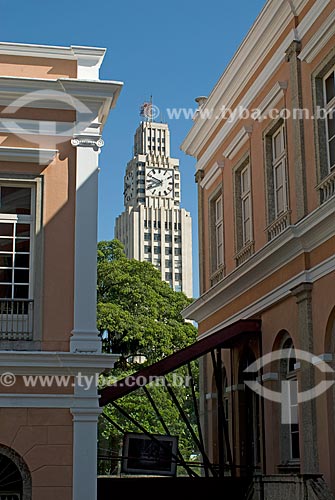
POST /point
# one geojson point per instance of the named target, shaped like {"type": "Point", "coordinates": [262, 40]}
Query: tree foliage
{"type": "Point", "coordinates": [139, 314]}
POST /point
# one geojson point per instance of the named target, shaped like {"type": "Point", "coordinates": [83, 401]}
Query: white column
{"type": "Point", "coordinates": [85, 435]}
{"type": "Point", "coordinates": [85, 335]}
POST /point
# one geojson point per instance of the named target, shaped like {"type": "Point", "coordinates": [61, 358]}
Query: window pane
{"type": "Point", "coordinates": [280, 200]}
{"type": "Point", "coordinates": [245, 206]}
{"type": "Point", "coordinates": [23, 230]}
{"type": "Point", "coordinates": [14, 200]}
{"type": "Point", "coordinates": [6, 229]}
{"type": "Point", "coordinates": [279, 175]}
{"type": "Point", "coordinates": [21, 291]}
{"type": "Point", "coordinates": [278, 144]}
{"type": "Point", "coordinates": [331, 124]}
{"type": "Point", "coordinates": [22, 245]}
{"type": "Point", "coordinates": [295, 445]}
{"type": "Point", "coordinates": [332, 153]}
{"type": "Point", "coordinates": [330, 88]}
{"type": "Point", "coordinates": [21, 276]}
{"type": "Point", "coordinates": [21, 260]}
{"type": "Point", "coordinates": [245, 180]}
{"type": "Point", "coordinates": [6, 275]}
{"type": "Point", "coordinates": [6, 245]}
{"type": "Point", "coordinates": [5, 291]}
{"type": "Point", "coordinates": [5, 260]}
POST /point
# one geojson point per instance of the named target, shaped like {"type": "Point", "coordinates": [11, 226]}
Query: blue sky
{"type": "Point", "coordinates": [174, 50]}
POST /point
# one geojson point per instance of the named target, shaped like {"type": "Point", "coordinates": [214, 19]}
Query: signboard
{"type": "Point", "coordinates": [143, 455]}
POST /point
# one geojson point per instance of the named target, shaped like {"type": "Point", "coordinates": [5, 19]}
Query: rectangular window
{"type": "Point", "coordinates": [157, 237]}
{"type": "Point", "coordinates": [168, 237]}
{"type": "Point", "coordinates": [279, 171]}
{"type": "Point", "coordinates": [147, 236]}
{"type": "Point", "coordinates": [17, 219]}
{"type": "Point", "coordinates": [245, 204]}
{"type": "Point", "coordinates": [177, 277]}
{"type": "Point", "coordinates": [177, 251]}
{"type": "Point", "coordinates": [329, 98]}
{"type": "Point", "coordinates": [168, 263]}
{"type": "Point", "coordinates": [168, 276]}
{"type": "Point", "coordinates": [147, 249]}
{"type": "Point", "coordinates": [157, 250]}
{"type": "Point", "coordinates": [218, 232]}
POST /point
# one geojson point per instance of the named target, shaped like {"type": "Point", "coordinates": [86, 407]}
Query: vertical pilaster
{"type": "Point", "coordinates": [85, 335]}
{"type": "Point", "coordinates": [298, 128]}
{"type": "Point", "coordinates": [306, 380]}
{"type": "Point", "coordinates": [85, 435]}
{"type": "Point", "coordinates": [198, 178]}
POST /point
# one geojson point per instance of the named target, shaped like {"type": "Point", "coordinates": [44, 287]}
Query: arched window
{"type": "Point", "coordinates": [290, 431]}
{"type": "Point", "coordinates": [15, 478]}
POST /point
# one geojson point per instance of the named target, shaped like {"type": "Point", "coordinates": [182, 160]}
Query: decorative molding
{"type": "Point", "coordinates": [241, 68]}
{"type": "Point", "coordinates": [88, 142]}
{"type": "Point", "coordinates": [212, 175]}
{"type": "Point", "coordinates": [27, 155]}
{"type": "Point", "coordinates": [319, 40]}
{"type": "Point", "coordinates": [36, 127]}
{"type": "Point", "coordinates": [73, 52]}
{"type": "Point", "coordinates": [274, 96]}
{"type": "Point", "coordinates": [238, 142]}
{"type": "Point", "coordinates": [43, 362]}
{"type": "Point", "coordinates": [308, 234]}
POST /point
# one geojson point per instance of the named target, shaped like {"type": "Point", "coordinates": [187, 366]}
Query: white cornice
{"type": "Point", "coordinates": [212, 175]}
{"type": "Point", "coordinates": [65, 401]}
{"type": "Point", "coordinates": [238, 142]}
{"type": "Point", "coordinates": [50, 51]}
{"type": "Point", "coordinates": [35, 127]}
{"type": "Point", "coordinates": [42, 362]}
{"type": "Point", "coordinates": [308, 234]}
{"type": "Point", "coordinates": [319, 40]}
{"type": "Point", "coordinates": [267, 27]}
{"type": "Point", "coordinates": [273, 97]}
{"type": "Point", "coordinates": [27, 155]}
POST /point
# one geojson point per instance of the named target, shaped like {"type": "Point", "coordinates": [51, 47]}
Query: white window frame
{"type": "Point", "coordinates": [246, 200]}
{"type": "Point", "coordinates": [330, 108]}
{"type": "Point", "coordinates": [218, 223]}
{"type": "Point", "coordinates": [279, 162]}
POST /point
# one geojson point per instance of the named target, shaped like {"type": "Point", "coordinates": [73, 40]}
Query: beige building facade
{"type": "Point", "coordinates": [53, 107]}
{"type": "Point", "coordinates": [265, 168]}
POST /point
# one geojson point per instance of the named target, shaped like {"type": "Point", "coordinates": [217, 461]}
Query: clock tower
{"type": "Point", "coordinates": [153, 227]}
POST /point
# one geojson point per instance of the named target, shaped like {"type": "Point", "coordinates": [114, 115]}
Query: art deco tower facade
{"type": "Point", "coordinates": [153, 227]}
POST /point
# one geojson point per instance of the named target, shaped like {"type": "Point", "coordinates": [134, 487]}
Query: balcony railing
{"type": "Point", "coordinates": [327, 187]}
{"type": "Point", "coordinates": [16, 320]}
{"type": "Point", "coordinates": [245, 253]}
{"type": "Point", "coordinates": [217, 276]}
{"type": "Point", "coordinates": [10, 496]}
{"type": "Point", "coordinates": [279, 225]}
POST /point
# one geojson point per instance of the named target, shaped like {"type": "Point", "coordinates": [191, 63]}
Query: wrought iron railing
{"type": "Point", "coordinates": [279, 225]}
{"type": "Point", "coordinates": [16, 320]}
{"type": "Point", "coordinates": [327, 187]}
{"type": "Point", "coordinates": [10, 496]}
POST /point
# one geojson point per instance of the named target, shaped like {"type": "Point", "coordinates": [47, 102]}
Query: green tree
{"type": "Point", "coordinates": [139, 314]}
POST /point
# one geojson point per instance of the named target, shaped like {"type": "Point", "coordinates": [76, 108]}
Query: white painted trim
{"type": "Point", "coordinates": [27, 155]}
{"type": "Point", "coordinates": [73, 52]}
{"type": "Point", "coordinates": [36, 127]}
{"type": "Point", "coordinates": [308, 234]}
{"type": "Point", "coordinates": [212, 175]}
{"type": "Point", "coordinates": [238, 142]}
{"type": "Point", "coordinates": [273, 97]}
{"type": "Point", "coordinates": [66, 401]}
{"type": "Point", "coordinates": [45, 362]}
{"type": "Point", "coordinates": [319, 40]}
{"type": "Point", "coordinates": [241, 68]}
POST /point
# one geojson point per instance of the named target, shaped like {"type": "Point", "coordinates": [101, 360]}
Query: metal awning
{"type": "Point", "coordinates": [221, 339]}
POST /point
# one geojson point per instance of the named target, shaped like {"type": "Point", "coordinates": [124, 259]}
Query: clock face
{"type": "Point", "coordinates": [128, 186]}
{"type": "Point", "coordinates": [159, 182]}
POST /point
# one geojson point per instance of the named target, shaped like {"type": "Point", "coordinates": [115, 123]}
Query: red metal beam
{"type": "Point", "coordinates": [222, 338]}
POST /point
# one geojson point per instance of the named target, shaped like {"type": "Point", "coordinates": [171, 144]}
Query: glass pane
{"type": "Point", "coordinates": [279, 175]}
{"type": "Point", "coordinates": [23, 230]}
{"type": "Point", "coordinates": [332, 153]}
{"type": "Point", "coordinates": [245, 180]}
{"type": "Point", "coordinates": [278, 144]}
{"type": "Point", "coordinates": [5, 291]}
{"type": "Point", "coordinates": [280, 200]}
{"type": "Point", "coordinates": [219, 208]}
{"type": "Point", "coordinates": [14, 200]}
{"type": "Point", "coordinates": [247, 231]}
{"type": "Point", "coordinates": [21, 276]}
{"type": "Point", "coordinates": [5, 260]}
{"type": "Point", "coordinates": [295, 445]}
{"type": "Point", "coordinates": [6, 245]}
{"type": "Point", "coordinates": [245, 208]}
{"type": "Point", "coordinates": [330, 88]}
{"type": "Point", "coordinates": [6, 229]}
{"type": "Point", "coordinates": [21, 260]}
{"type": "Point", "coordinates": [331, 125]}
{"type": "Point", "coordinates": [6, 275]}
{"type": "Point", "coordinates": [21, 291]}
{"type": "Point", "coordinates": [22, 245]}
